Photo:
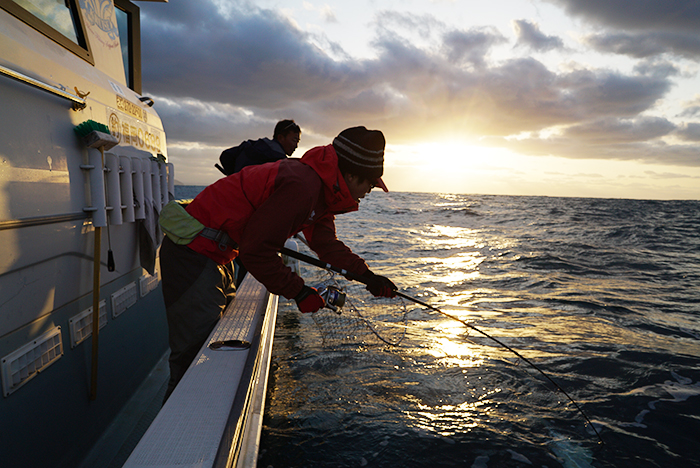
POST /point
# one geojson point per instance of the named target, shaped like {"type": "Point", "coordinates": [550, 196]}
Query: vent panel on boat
{"type": "Point", "coordinates": [148, 283]}
{"type": "Point", "coordinates": [20, 366]}
{"type": "Point", "coordinates": [123, 299]}
{"type": "Point", "coordinates": [81, 324]}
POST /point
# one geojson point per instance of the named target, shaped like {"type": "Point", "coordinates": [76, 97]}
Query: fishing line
{"type": "Point", "coordinates": [358, 278]}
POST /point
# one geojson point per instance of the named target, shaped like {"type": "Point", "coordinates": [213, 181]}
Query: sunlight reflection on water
{"type": "Point", "coordinates": [601, 316]}
{"type": "Point", "coordinates": [454, 354]}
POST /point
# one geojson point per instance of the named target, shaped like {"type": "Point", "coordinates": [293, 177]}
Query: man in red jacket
{"type": "Point", "coordinates": [250, 214]}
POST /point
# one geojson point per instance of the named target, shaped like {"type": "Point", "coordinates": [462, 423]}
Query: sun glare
{"type": "Point", "coordinates": [447, 167]}
{"type": "Point", "coordinates": [464, 168]}
{"type": "Point", "coordinates": [455, 155]}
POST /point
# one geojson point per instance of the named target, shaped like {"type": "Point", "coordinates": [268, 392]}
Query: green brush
{"type": "Point", "coordinates": [95, 135]}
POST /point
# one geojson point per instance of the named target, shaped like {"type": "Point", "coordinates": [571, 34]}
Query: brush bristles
{"type": "Point", "coordinates": [88, 126]}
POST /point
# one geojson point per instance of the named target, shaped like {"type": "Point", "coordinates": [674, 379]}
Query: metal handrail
{"type": "Point", "coordinates": [78, 103]}
{"type": "Point", "coordinates": [41, 220]}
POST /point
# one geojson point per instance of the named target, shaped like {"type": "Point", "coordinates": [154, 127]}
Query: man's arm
{"type": "Point", "coordinates": [323, 240]}
{"type": "Point", "coordinates": [272, 223]}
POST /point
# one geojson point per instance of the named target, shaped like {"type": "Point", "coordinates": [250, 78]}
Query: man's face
{"type": "Point", "coordinates": [289, 142]}
{"type": "Point", "coordinates": [359, 186]}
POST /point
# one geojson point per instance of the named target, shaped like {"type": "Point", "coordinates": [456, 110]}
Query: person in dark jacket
{"type": "Point", "coordinates": [285, 140]}
{"type": "Point", "coordinates": [258, 209]}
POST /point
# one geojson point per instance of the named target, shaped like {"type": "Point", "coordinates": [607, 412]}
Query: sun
{"type": "Point", "coordinates": [445, 166]}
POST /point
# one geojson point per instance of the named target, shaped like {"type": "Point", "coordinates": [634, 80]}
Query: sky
{"type": "Point", "coordinates": [576, 98]}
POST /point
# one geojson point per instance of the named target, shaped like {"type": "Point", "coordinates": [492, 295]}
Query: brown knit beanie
{"type": "Point", "coordinates": [361, 152]}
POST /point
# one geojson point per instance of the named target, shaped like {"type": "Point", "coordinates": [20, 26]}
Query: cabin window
{"type": "Point", "coordinates": [129, 27]}
{"type": "Point", "coordinates": [61, 21]}
{"type": "Point", "coordinates": [56, 14]}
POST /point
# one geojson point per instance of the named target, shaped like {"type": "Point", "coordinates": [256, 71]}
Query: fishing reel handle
{"type": "Point", "coordinates": [333, 297]}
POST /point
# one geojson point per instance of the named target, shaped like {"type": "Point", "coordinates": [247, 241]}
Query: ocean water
{"type": "Point", "coordinates": [603, 295]}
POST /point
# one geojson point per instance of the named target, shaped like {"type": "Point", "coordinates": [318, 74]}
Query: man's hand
{"type": "Point", "coordinates": [308, 300]}
{"type": "Point", "coordinates": [379, 286]}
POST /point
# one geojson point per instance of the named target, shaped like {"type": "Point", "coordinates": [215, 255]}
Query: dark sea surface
{"type": "Point", "coordinates": [603, 295]}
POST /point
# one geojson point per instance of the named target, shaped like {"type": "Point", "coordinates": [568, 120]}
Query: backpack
{"type": "Point", "coordinates": [229, 157]}
{"type": "Point", "coordinates": [248, 153]}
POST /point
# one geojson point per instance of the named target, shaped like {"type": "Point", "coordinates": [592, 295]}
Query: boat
{"type": "Point", "coordinates": [84, 172]}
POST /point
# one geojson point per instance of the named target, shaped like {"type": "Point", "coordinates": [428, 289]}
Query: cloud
{"type": "Point", "coordinates": [388, 23]}
{"type": "Point", "coordinates": [246, 64]}
{"type": "Point", "coordinates": [691, 108]}
{"type": "Point", "coordinates": [471, 46]}
{"type": "Point", "coordinates": [326, 12]}
{"type": "Point", "coordinates": [631, 15]}
{"type": "Point", "coordinates": [510, 97]}
{"type": "Point", "coordinates": [222, 76]}
{"type": "Point", "coordinates": [189, 120]}
{"type": "Point", "coordinates": [615, 131]}
{"type": "Point", "coordinates": [529, 35]}
{"type": "Point", "coordinates": [255, 59]}
{"type": "Point", "coordinates": [656, 68]}
{"type": "Point", "coordinates": [668, 175]}
{"type": "Point", "coordinates": [648, 151]}
{"type": "Point", "coordinates": [689, 132]}
{"type": "Point", "coordinates": [644, 45]}
{"type": "Point", "coordinates": [605, 92]}
{"type": "Point", "coordinates": [641, 28]}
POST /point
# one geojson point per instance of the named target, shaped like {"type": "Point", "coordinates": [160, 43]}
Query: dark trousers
{"type": "Point", "coordinates": [196, 291]}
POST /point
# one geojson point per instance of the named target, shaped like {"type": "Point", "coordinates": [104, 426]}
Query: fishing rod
{"type": "Point", "coordinates": [352, 276]}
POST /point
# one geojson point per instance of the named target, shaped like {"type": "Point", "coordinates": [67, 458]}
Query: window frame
{"type": "Point", "coordinates": [81, 49]}
{"type": "Point", "coordinates": [134, 32]}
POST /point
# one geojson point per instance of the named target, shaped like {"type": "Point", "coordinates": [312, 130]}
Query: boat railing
{"type": "Point", "coordinates": [78, 102]}
{"type": "Point", "coordinates": [213, 418]}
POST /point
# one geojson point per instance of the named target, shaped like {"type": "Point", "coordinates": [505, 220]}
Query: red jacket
{"type": "Point", "coordinates": [262, 206]}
